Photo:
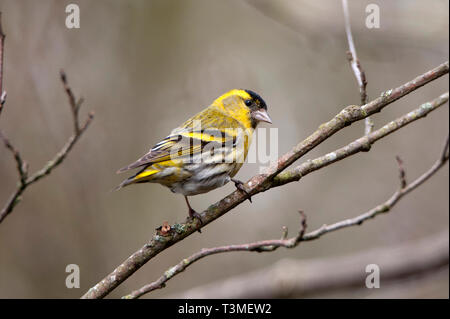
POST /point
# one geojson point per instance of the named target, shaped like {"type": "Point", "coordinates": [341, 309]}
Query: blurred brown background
{"type": "Point", "coordinates": [146, 66]}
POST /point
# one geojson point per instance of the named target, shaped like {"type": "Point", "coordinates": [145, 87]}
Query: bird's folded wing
{"type": "Point", "coordinates": [189, 139]}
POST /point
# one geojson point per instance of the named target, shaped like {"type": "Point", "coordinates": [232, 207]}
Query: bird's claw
{"type": "Point", "coordinates": [240, 186]}
{"type": "Point", "coordinates": [193, 214]}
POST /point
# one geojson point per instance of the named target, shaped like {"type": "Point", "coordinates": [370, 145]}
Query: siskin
{"type": "Point", "coordinates": [206, 151]}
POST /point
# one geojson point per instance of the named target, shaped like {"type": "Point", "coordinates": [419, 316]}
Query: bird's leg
{"type": "Point", "coordinates": [239, 185]}
{"type": "Point", "coordinates": [193, 213]}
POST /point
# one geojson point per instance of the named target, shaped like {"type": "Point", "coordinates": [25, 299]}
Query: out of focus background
{"type": "Point", "coordinates": [146, 66]}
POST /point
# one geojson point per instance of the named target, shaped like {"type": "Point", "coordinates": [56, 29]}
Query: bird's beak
{"type": "Point", "coordinates": [261, 115]}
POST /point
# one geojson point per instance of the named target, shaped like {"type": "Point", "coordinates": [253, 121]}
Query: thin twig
{"type": "Point", "coordinates": [258, 183]}
{"type": "Point", "coordinates": [2, 44]}
{"type": "Point", "coordinates": [358, 145]}
{"type": "Point", "coordinates": [271, 245]}
{"type": "Point", "coordinates": [346, 117]}
{"type": "Point", "coordinates": [402, 173]}
{"type": "Point", "coordinates": [259, 246]}
{"type": "Point", "coordinates": [61, 155]}
{"type": "Point", "coordinates": [383, 208]}
{"type": "Point", "coordinates": [353, 57]}
{"type": "Point", "coordinates": [355, 64]}
{"type": "Point", "coordinates": [2, 101]}
{"type": "Point", "coordinates": [445, 151]}
{"type": "Point", "coordinates": [74, 104]}
{"type": "Point", "coordinates": [22, 167]}
{"type": "Point", "coordinates": [310, 278]}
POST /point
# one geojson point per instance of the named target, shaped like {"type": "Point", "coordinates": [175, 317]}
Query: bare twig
{"type": "Point", "coordinates": [402, 173]}
{"type": "Point", "coordinates": [22, 167]}
{"type": "Point", "coordinates": [353, 57]}
{"type": "Point", "coordinates": [318, 277]}
{"type": "Point", "coordinates": [74, 104]}
{"type": "Point", "coordinates": [2, 101]}
{"type": "Point", "coordinates": [259, 246]}
{"type": "Point", "coordinates": [383, 208]}
{"type": "Point", "coordinates": [346, 117]}
{"type": "Point", "coordinates": [355, 64]}
{"type": "Point", "coordinates": [258, 183]}
{"type": "Point", "coordinates": [271, 245]}
{"type": "Point", "coordinates": [358, 145]}
{"type": "Point", "coordinates": [445, 151]}
{"type": "Point", "coordinates": [2, 44]}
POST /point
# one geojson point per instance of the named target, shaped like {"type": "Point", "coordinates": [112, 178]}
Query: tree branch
{"type": "Point", "coordinates": [383, 208]}
{"type": "Point", "coordinates": [317, 278]}
{"type": "Point", "coordinates": [402, 173]}
{"type": "Point", "coordinates": [22, 167]}
{"type": "Point", "coordinates": [258, 183]}
{"type": "Point", "coordinates": [359, 145]}
{"type": "Point", "coordinates": [2, 44]}
{"type": "Point", "coordinates": [259, 246]}
{"type": "Point", "coordinates": [349, 115]}
{"type": "Point", "coordinates": [271, 245]}
{"type": "Point", "coordinates": [355, 64]}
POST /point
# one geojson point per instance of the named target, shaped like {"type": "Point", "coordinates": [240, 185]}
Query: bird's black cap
{"type": "Point", "coordinates": [257, 98]}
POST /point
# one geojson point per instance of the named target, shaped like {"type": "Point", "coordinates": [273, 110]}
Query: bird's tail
{"type": "Point", "coordinates": [139, 177]}
{"type": "Point", "coordinates": [126, 182]}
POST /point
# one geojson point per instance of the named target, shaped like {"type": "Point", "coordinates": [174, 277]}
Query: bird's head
{"type": "Point", "coordinates": [245, 101]}
{"type": "Point", "coordinates": [258, 108]}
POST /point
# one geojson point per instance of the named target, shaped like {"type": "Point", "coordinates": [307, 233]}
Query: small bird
{"type": "Point", "coordinates": [206, 151]}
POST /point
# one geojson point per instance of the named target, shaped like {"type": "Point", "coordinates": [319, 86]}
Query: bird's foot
{"type": "Point", "coordinates": [193, 214]}
{"type": "Point", "coordinates": [240, 186]}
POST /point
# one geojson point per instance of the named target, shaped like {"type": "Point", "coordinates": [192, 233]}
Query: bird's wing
{"type": "Point", "coordinates": [209, 126]}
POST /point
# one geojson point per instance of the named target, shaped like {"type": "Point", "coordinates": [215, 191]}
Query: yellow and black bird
{"type": "Point", "coordinates": [206, 151]}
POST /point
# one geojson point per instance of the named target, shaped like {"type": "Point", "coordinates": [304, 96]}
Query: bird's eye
{"type": "Point", "coordinates": [248, 102]}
